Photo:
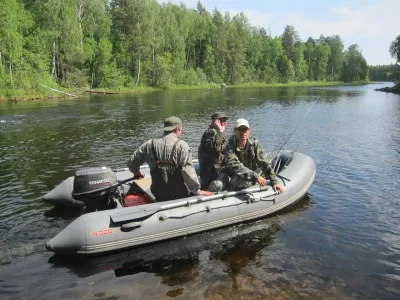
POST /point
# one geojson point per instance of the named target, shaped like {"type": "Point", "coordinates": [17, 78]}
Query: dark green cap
{"type": "Point", "coordinates": [171, 123]}
{"type": "Point", "coordinates": [218, 115]}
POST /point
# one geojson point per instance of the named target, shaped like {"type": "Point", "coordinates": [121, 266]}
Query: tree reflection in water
{"type": "Point", "coordinates": [173, 271]}
{"type": "Point", "coordinates": [235, 253]}
{"type": "Point", "coordinates": [245, 250]}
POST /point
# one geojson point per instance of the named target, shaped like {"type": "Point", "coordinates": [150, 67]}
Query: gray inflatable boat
{"type": "Point", "coordinates": [110, 225]}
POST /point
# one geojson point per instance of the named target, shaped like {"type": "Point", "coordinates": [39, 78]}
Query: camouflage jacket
{"type": "Point", "coordinates": [163, 147]}
{"type": "Point", "coordinates": [212, 147]}
{"type": "Point", "coordinates": [245, 162]}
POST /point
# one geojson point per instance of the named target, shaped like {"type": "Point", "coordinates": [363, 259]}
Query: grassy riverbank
{"type": "Point", "coordinates": [45, 93]}
{"type": "Point", "coordinates": [304, 83]}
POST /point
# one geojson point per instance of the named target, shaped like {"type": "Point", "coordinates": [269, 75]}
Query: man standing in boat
{"type": "Point", "coordinates": [170, 161]}
{"type": "Point", "coordinates": [245, 162]}
{"type": "Point", "coordinates": [211, 149]}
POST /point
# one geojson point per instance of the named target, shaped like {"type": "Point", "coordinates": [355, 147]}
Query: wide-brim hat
{"type": "Point", "coordinates": [171, 123]}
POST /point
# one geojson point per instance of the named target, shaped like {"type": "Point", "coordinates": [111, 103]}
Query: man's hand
{"type": "Point", "coordinates": [205, 193]}
{"type": "Point", "coordinates": [221, 127]}
{"type": "Point", "coordinates": [278, 187]}
{"type": "Point", "coordinates": [261, 181]}
{"type": "Point", "coordinates": [138, 175]}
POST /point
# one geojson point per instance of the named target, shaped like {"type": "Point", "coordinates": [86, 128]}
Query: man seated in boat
{"type": "Point", "coordinates": [171, 166]}
{"type": "Point", "coordinates": [211, 149]}
{"type": "Point", "coordinates": [245, 162]}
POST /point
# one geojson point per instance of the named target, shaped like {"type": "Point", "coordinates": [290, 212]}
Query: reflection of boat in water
{"type": "Point", "coordinates": [177, 261]}
{"type": "Point", "coordinates": [114, 229]}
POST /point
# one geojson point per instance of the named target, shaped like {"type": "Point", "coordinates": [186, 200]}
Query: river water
{"type": "Point", "coordinates": [342, 240]}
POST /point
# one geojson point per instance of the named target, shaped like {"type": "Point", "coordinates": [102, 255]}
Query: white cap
{"type": "Point", "coordinates": [241, 122]}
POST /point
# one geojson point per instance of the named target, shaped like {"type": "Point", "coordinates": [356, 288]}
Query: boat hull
{"type": "Point", "coordinates": [110, 230]}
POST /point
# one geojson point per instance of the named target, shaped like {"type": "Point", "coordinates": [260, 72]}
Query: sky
{"type": "Point", "coordinates": [371, 24]}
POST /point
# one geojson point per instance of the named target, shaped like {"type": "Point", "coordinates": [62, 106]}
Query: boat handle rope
{"type": "Point", "coordinates": [250, 199]}
{"type": "Point", "coordinates": [207, 208]}
{"type": "Point", "coordinates": [284, 179]}
{"type": "Point", "coordinates": [253, 199]}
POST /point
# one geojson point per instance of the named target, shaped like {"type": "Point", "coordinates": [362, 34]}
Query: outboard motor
{"type": "Point", "coordinates": [96, 188]}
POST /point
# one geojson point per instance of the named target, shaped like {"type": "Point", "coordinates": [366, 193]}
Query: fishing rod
{"type": "Point", "coordinates": [275, 153]}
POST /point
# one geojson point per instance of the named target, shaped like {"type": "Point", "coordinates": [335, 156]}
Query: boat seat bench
{"type": "Point", "coordinates": [144, 184]}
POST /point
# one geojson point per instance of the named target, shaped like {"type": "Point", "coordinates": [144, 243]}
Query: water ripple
{"type": "Point", "coordinates": [342, 241]}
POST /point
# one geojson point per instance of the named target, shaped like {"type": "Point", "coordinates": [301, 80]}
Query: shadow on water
{"type": "Point", "coordinates": [176, 260]}
{"type": "Point", "coordinates": [64, 213]}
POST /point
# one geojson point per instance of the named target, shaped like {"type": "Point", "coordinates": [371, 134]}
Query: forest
{"type": "Point", "coordinates": [388, 72]}
{"type": "Point", "coordinates": [384, 73]}
{"type": "Point", "coordinates": [114, 44]}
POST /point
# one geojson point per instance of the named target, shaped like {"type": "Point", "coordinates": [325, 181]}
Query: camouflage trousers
{"type": "Point", "coordinates": [236, 183]}
{"type": "Point", "coordinates": [208, 173]}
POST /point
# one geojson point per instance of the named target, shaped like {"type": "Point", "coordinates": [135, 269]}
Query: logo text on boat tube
{"type": "Point", "coordinates": [102, 232]}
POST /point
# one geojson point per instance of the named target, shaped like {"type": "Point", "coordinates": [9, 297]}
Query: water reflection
{"type": "Point", "coordinates": [64, 213]}
{"type": "Point", "coordinates": [176, 261]}
{"type": "Point", "coordinates": [173, 271]}
{"type": "Point", "coordinates": [238, 254]}
{"type": "Point", "coordinates": [347, 242]}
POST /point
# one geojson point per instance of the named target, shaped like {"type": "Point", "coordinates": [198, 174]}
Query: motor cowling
{"type": "Point", "coordinates": [93, 186]}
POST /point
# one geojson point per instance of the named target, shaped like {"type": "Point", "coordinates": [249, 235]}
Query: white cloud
{"type": "Point", "coordinates": [340, 10]}
{"type": "Point", "coordinates": [258, 19]}
{"type": "Point", "coordinates": [352, 2]}
{"type": "Point", "coordinates": [373, 20]}
{"type": "Point", "coordinates": [254, 17]}
{"type": "Point", "coordinates": [372, 26]}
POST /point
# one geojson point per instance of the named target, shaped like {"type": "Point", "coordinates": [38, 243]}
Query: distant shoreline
{"type": "Point", "coordinates": [182, 87]}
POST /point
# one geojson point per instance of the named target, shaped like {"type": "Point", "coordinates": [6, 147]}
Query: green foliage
{"type": "Point", "coordinates": [384, 73]}
{"type": "Point", "coordinates": [188, 77]}
{"type": "Point", "coordinates": [130, 43]}
{"type": "Point", "coordinates": [320, 61]}
{"type": "Point", "coordinates": [309, 58]}
{"type": "Point", "coordinates": [238, 33]}
{"type": "Point", "coordinates": [336, 57]}
{"type": "Point", "coordinates": [219, 46]}
{"type": "Point", "coordinates": [299, 63]}
{"type": "Point", "coordinates": [394, 49]}
{"type": "Point", "coordinates": [355, 66]}
{"type": "Point", "coordinates": [34, 53]}
{"type": "Point", "coordinates": [286, 69]}
{"type": "Point", "coordinates": [210, 70]}
{"type": "Point", "coordinates": [13, 21]}
{"type": "Point", "coordinates": [163, 71]}
{"type": "Point", "coordinates": [201, 76]}
{"type": "Point", "coordinates": [289, 38]}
